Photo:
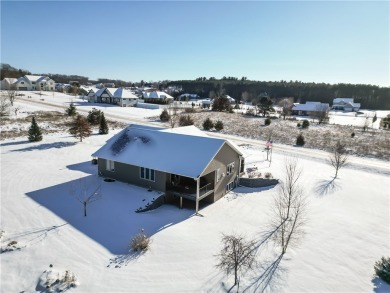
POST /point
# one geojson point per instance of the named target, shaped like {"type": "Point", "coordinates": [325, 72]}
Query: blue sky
{"type": "Point", "coordinates": [332, 42]}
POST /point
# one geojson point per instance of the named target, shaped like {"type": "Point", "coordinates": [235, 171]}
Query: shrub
{"type": "Point", "coordinates": [140, 242]}
{"type": "Point", "coordinates": [353, 134]}
{"type": "Point", "coordinates": [189, 110]}
{"type": "Point", "coordinates": [305, 123]}
{"type": "Point", "coordinates": [186, 120]}
{"type": "Point", "coordinates": [12, 243]}
{"type": "Point", "coordinates": [382, 269]}
{"type": "Point", "coordinates": [164, 116]}
{"type": "Point", "coordinates": [300, 140]}
{"type": "Point", "coordinates": [94, 116]}
{"type": "Point", "coordinates": [267, 121]}
{"type": "Point", "coordinates": [298, 124]}
{"type": "Point", "coordinates": [268, 175]}
{"type": "Point", "coordinates": [208, 124]}
{"type": "Point", "coordinates": [219, 125]}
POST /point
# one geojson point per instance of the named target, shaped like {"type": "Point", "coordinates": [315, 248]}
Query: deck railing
{"type": "Point", "coordinates": [205, 189]}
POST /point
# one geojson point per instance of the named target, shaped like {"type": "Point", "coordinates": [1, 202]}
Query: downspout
{"type": "Point", "coordinates": [197, 195]}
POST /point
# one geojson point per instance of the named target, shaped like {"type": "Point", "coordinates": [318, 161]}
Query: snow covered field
{"type": "Point", "coordinates": [346, 232]}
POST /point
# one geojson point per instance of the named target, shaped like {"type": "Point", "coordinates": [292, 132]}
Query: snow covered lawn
{"type": "Point", "coordinates": [347, 228]}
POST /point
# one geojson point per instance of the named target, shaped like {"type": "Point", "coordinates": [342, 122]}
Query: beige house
{"type": "Point", "coordinates": [181, 162]}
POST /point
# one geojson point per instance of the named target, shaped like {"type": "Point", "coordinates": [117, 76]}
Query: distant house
{"type": "Point", "coordinates": [117, 96]}
{"type": "Point", "coordinates": [205, 169]}
{"type": "Point", "coordinates": [230, 99]}
{"type": "Point", "coordinates": [306, 109]}
{"type": "Point", "coordinates": [157, 97]}
{"type": "Point", "coordinates": [8, 83]}
{"type": "Point", "coordinates": [109, 84]}
{"type": "Point", "coordinates": [186, 97]}
{"type": "Point", "coordinates": [29, 83]}
{"type": "Point", "coordinates": [345, 104]}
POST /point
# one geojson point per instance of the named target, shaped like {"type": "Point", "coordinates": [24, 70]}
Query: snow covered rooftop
{"type": "Point", "coordinates": [123, 93]}
{"type": "Point", "coordinates": [11, 80]}
{"type": "Point", "coordinates": [182, 151]}
{"type": "Point", "coordinates": [159, 95]}
{"type": "Point", "coordinates": [311, 106]}
{"type": "Point", "coordinates": [34, 77]}
{"type": "Point", "coordinates": [342, 100]}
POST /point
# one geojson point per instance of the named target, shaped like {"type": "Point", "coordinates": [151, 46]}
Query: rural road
{"type": "Point", "coordinates": [366, 164]}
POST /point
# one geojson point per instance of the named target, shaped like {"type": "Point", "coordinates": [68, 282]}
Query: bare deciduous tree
{"type": "Point", "coordinates": [11, 93]}
{"type": "Point", "coordinates": [236, 256]}
{"type": "Point", "coordinates": [321, 114]}
{"type": "Point", "coordinates": [4, 106]}
{"type": "Point", "coordinates": [366, 122]}
{"type": "Point", "coordinates": [286, 104]}
{"type": "Point", "coordinates": [289, 207]}
{"type": "Point", "coordinates": [173, 116]}
{"type": "Point", "coordinates": [339, 157]}
{"type": "Point", "coordinates": [86, 191]}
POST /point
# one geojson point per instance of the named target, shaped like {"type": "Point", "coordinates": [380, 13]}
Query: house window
{"type": "Point", "coordinates": [230, 186]}
{"type": "Point", "coordinates": [242, 167]}
{"type": "Point", "coordinates": [33, 82]}
{"type": "Point", "coordinates": [147, 174]}
{"type": "Point", "coordinates": [110, 166]}
{"type": "Point", "coordinates": [22, 82]}
{"type": "Point", "coordinates": [230, 168]}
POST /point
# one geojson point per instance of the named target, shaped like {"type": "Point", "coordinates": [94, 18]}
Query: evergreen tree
{"type": "Point", "coordinates": [219, 125]}
{"type": "Point", "coordinates": [164, 116]}
{"type": "Point", "coordinates": [208, 124]}
{"type": "Point", "coordinates": [71, 111]}
{"type": "Point", "coordinates": [103, 127]}
{"type": "Point", "coordinates": [221, 104]}
{"type": "Point", "coordinates": [80, 128]}
{"type": "Point", "coordinates": [300, 140]}
{"type": "Point", "coordinates": [305, 123]}
{"type": "Point", "coordinates": [34, 133]}
{"type": "Point", "coordinates": [94, 116]}
{"type": "Point", "coordinates": [265, 105]}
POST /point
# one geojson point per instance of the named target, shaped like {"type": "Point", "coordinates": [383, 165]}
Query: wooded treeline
{"type": "Point", "coordinates": [370, 96]}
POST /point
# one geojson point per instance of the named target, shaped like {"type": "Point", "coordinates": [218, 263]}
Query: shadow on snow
{"type": "Point", "coordinates": [380, 286]}
{"type": "Point", "coordinates": [46, 146]}
{"type": "Point", "coordinates": [111, 221]}
{"type": "Point", "coordinates": [325, 187]}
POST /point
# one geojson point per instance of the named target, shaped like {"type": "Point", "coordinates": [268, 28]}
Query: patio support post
{"type": "Point", "coordinates": [197, 195]}
{"type": "Point", "coordinates": [181, 202]}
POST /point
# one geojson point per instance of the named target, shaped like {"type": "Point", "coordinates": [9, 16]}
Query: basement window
{"type": "Point", "coordinates": [110, 165]}
{"type": "Point", "coordinates": [147, 174]}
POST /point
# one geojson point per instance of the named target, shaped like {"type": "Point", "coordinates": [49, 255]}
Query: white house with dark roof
{"type": "Point", "coordinates": [29, 83]}
{"type": "Point", "coordinates": [181, 162]}
{"type": "Point", "coordinates": [308, 107]}
{"type": "Point", "coordinates": [345, 104]}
